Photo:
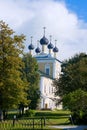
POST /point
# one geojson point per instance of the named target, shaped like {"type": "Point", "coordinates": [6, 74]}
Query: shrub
{"type": "Point", "coordinates": [30, 113]}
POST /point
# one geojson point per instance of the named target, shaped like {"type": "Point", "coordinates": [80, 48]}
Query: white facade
{"type": "Point", "coordinates": [49, 70]}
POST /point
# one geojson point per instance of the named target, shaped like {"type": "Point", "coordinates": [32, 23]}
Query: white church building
{"type": "Point", "coordinates": [49, 69]}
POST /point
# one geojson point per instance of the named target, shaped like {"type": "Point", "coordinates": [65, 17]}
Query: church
{"type": "Point", "coordinates": [49, 69]}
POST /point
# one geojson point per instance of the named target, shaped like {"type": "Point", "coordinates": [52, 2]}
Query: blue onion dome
{"type": "Point", "coordinates": [37, 50]}
{"type": "Point", "coordinates": [44, 40]}
{"type": "Point", "coordinates": [31, 46]}
{"type": "Point", "coordinates": [50, 45]}
{"type": "Point", "coordinates": [55, 49]}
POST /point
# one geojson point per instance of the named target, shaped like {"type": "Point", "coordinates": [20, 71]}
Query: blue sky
{"type": "Point", "coordinates": [65, 20]}
{"type": "Point", "coordinates": [79, 7]}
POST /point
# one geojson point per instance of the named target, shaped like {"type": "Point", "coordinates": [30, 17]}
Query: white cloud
{"type": "Point", "coordinates": [14, 12]}
{"type": "Point", "coordinates": [29, 17]}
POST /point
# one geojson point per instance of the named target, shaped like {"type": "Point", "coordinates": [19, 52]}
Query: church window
{"type": "Point", "coordinates": [47, 69]}
{"type": "Point", "coordinates": [52, 90]}
{"type": "Point", "coordinates": [44, 89]}
{"type": "Point", "coordinates": [49, 89]}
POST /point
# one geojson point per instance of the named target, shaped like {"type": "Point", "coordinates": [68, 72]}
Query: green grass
{"type": "Point", "coordinates": [53, 114]}
{"type": "Point", "coordinates": [52, 118]}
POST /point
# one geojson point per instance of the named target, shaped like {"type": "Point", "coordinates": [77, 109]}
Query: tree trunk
{"type": "Point", "coordinates": [22, 111]}
{"type": "Point", "coordinates": [1, 115]}
{"type": "Point", "coordinates": [4, 115]}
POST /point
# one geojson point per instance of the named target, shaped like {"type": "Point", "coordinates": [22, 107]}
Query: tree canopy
{"type": "Point", "coordinates": [76, 101]}
{"type": "Point", "coordinates": [11, 85]}
{"type": "Point", "coordinates": [73, 75]}
{"type": "Point", "coordinates": [33, 77]}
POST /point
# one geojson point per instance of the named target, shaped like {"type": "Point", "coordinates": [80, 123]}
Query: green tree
{"type": "Point", "coordinates": [12, 87]}
{"type": "Point", "coordinates": [73, 75]}
{"type": "Point", "coordinates": [76, 101]}
{"type": "Point", "coordinates": [72, 86]}
{"type": "Point", "coordinates": [32, 76]}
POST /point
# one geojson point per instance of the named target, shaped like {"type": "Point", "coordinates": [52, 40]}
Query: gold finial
{"type": "Point", "coordinates": [38, 43]}
{"type": "Point", "coordinates": [31, 39]}
{"type": "Point", "coordinates": [44, 30]}
{"type": "Point", "coordinates": [55, 42]}
{"type": "Point", "coordinates": [50, 38]}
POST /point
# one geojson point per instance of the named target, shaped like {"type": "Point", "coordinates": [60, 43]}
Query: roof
{"type": "Point", "coordinates": [45, 75]}
{"type": "Point", "coordinates": [44, 56]}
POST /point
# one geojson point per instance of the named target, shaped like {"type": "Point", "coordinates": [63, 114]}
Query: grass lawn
{"type": "Point", "coordinates": [57, 117]}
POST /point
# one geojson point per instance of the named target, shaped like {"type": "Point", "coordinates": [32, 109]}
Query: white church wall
{"type": "Point", "coordinates": [47, 93]}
